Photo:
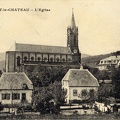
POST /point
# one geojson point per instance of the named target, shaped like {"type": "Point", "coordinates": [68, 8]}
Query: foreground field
{"type": "Point", "coordinates": [70, 117]}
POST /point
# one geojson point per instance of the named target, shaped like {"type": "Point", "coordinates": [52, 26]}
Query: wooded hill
{"type": "Point", "coordinates": [93, 61]}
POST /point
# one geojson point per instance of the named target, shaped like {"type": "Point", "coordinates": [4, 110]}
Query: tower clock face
{"type": "Point", "coordinates": [75, 51]}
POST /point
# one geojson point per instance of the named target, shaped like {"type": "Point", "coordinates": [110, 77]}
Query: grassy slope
{"type": "Point", "coordinates": [93, 60]}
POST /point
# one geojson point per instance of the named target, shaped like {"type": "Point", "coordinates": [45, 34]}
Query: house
{"type": "Point", "coordinates": [15, 88]}
{"type": "Point", "coordinates": [21, 56]}
{"type": "Point", "coordinates": [104, 64]}
{"type": "Point", "coordinates": [77, 84]}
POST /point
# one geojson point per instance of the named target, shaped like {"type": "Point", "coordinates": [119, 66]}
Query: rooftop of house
{"type": "Point", "coordinates": [40, 48]}
{"type": "Point", "coordinates": [105, 81]}
{"type": "Point", "coordinates": [15, 81]}
{"type": "Point", "coordinates": [117, 57]}
{"type": "Point", "coordinates": [80, 77]}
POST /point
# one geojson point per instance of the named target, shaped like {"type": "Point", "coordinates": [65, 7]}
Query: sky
{"type": "Point", "coordinates": [98, 22]}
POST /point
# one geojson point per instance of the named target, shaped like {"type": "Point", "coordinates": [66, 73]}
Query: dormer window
{"type": "Point", "coordinates": [24, 86]}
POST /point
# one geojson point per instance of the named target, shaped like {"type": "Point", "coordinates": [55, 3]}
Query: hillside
{"type": "Point", "coordinates": [93, 61]}
{"type": "Point", "coordinates": [84, 55]}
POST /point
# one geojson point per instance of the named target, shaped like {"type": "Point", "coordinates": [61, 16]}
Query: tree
{"type": "Point", "coordinates": [116, 81]}
{"type": "Point", "coordinates": [1, 106]}
{"type": "Point", "coordinates": [88, 96]}
{"type": "Point", "coordinates": [93, 95]}
{"type": "Point", "coordinates": [43, 76]}
{"type": "Point", "coordinates": [43, 96]}
{"type": "Point", "coordinates": [100, 75]}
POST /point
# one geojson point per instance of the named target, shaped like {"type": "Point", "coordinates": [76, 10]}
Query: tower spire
{"type": "Point", "coordinates": [73, 20]}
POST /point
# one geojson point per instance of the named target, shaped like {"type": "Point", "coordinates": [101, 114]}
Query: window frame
{"type": "Point", "coordinates": [25, 58]}
{"type": "Point", "coordinates": [15, 96]}
{"type": "Point", "coordinates": [32, 58]}
{"type": "Point", "coordinates": [75, 92]}
{"type": "Point", "coordinates": [51, 59]}
{"type": "Point", "coordinates": [39, 58]}
{"type": "Point", "coordinates": [5, 96]}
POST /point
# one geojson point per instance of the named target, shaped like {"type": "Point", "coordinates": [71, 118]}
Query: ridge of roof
{"type": "Point", "coordinates": [79, 69]}
{"type": "Point", "coordinates": [40, 45]}
{"type": "Point", "coordinates": [42, 48]}
{"type": "Point", "coordinates": [14, 73]}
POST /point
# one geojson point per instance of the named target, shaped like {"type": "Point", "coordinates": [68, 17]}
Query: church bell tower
{"type": "Point", "coordinates": [72, 40]}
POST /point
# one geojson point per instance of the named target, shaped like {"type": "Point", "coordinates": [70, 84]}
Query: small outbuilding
{"type": "Point", "coordinates": [15, 88]}
{"type": "Point", "coordinates": [78, 83]}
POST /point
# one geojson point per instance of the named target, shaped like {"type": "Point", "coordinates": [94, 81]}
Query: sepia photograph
{"type": "Point", "coordinates": [59, 59]}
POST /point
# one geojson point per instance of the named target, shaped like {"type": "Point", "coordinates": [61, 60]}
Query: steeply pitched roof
{"type": "Point", "coordinates": [42, 48]}
{"type": "Point", "coordinates": [14, 81]}
{"type": "Point", "coordinates": [73, 20]}
{"type": "Point", "coordinates": [78, 77]}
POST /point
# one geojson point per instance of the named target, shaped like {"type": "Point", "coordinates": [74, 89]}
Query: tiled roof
{"type": "Point", "coordinates": [14, 81]}
{"type": "Point", "coordinates": [80, 77]}
{"type": "Point", "coordinates": [42, 48]}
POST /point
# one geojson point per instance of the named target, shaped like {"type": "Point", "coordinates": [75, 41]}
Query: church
{"type": "Point", "coordinates": [25, 55]}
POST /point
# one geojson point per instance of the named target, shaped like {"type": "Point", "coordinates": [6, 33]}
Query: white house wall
{"type": "Point", "coordinates": [79, 89]}
{"type": "Point", "coordinates": [65, 86]}
{"type": "Point", "coordinates": [28, 96]}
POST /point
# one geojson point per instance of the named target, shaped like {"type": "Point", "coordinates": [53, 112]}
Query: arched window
{"type": "Point", "coordinates": [32, 58]}
{"type": "Point", "coordinates": [63, 59]}
{"type": "Point", "coordinates": [51, 59]}
{"type": "Point", "coordinates": [69, 60]}
{"type": "Point", "coordinates": [58, 60]}
{"type": "Point", "coordinates": [74, 40]}
{"type": "Point", "coordinates": [39, 58]}
{"type": "Point", "coordinates": [24, 86]}
{"type": "Point", "coordinates": [45, 59]}
{"type": "Point", "coordinates": [18, 61]}
{"type": "Point", "coordinates": [25, 58]}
